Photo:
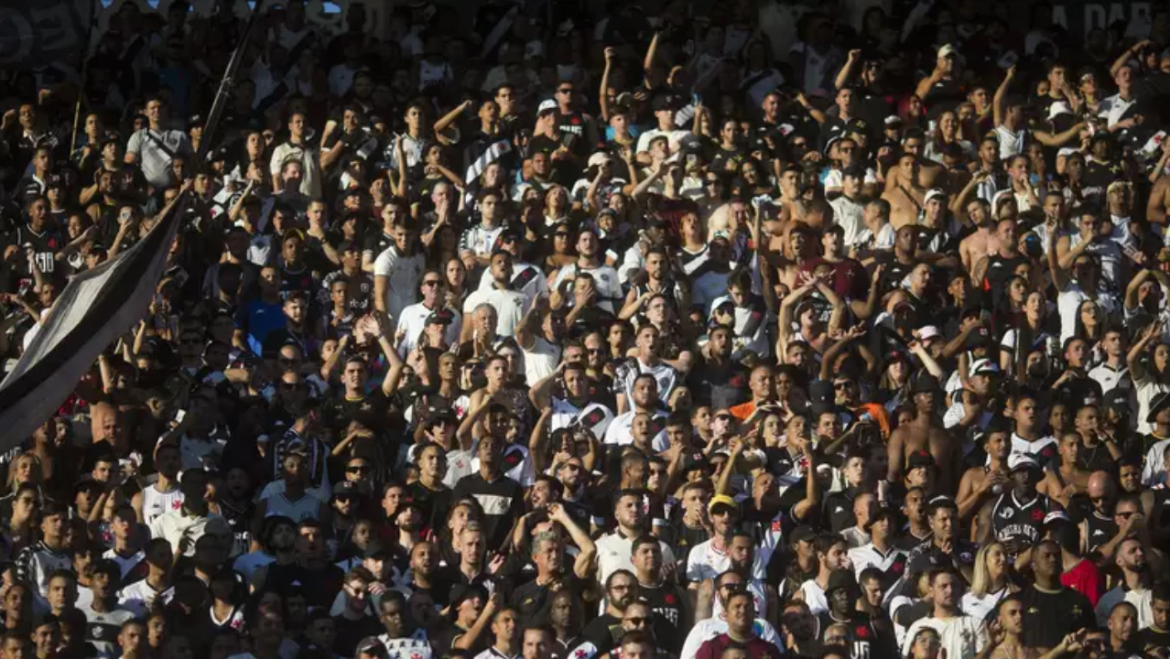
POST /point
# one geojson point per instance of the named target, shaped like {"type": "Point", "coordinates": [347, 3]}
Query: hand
{"type": "Point", "coordinates": [556, 512]}
{"type": "Point", "coordinates": [496, 563]}
{"type": "Point", "coordinates": [610, 54]}
{"type": "Point", "coordinates": [1011, 72]}
{"type": "Point", "coordinates": [493, 604]}
{"type": "Point", "coordinates": [9, 119]}
{"type": "Point", "coordinates": [854, 54]}
{"type": "Point", "coordinates": [1124, 123]}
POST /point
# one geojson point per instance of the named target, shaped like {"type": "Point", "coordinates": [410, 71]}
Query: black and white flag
{"type": "Point", "coordinates": [94, 309]}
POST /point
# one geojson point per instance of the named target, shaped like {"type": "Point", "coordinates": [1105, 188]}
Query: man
{"type": "Point", "coordinates": [1135, 587]}
{"type": "Point", "coordinates": [741, 618]}
{"type": "Point", "coordinates": [1018, 514]}
{"type": "Point", "coordinates": [665, 598]}
{"type": "Point", "coordinates": [603, 632]}
{"type": "Point", "coordinates": [615, 549]}
{"type": "Point", "coordinates": [193, 519]}
{"type": "Point", "coordinates": [417, 318]}
{"type": "Point", "coordinates": [646, 361]}
{"type": "Point", "coordinates": [397, 271]}
{"type": "Point", "coordinates": [553, 574]}
{"type": "Point", "coordinates": [590, 261]}
{"type": "Point", "coordinates": [1050, 609]}
{"type": "Point", "coordinates": [139, 596]}
{"type": "Point", "coordinates": [509, 305]}
{"type": "Point", "coordinates": [962, 636]}
{"type": "Point", "coordinates": [880, 552]}
{"type": "Point", "coordinates": [644, 395]}
{"type": "Point", "coordinates": [1157, 633]}
{"type": "Point", "coordinates": [356, 619]}
{"type": "Point", "coordinates": [403, 638]}
{"type": "Point", "coordinates": [477, 242]}
{"type": "Point", "coordinates": [832, 556]}
{"type": "Point", "coordinates": [35, 563]}
{"type": "Point", "coordinates": [155, 147]}
{"type": "Point", "coordinates": [505, 636]}
{"type": "Point", "coordinates": [298, 148]}
{"type": "Point", "coordinates": [104, 617]}
{"type": "Point", "coordinates": [842, 595]}
{"type": "Point", "coordinates": [501, 498]}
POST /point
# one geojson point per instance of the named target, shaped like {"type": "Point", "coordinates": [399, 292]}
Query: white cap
{"type": "Point", "coordinates": [1066, 151]}
{"type": "Point", "coordinates": [984, 367]}
{"type": "Point", "coordinates": [928, 332]}
{"type": "Point", "coordinates": [598, 158]}
{"type": "Point", "coordinates": [547, 104]}
{"type": "Point", "coordinates": [936, 192]}
{"type": "Point", "coordinates": [1022, 460]}
{"type": "Point", "coordinates": [948, 49]}
{"type": "Point", "coordinates": [1054, 516]}
{"type": "Point", "coordinates": [1058, 108]}
{"type": "Point", "coordinates": [893, 120]}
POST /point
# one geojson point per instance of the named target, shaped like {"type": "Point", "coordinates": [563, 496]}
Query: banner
{"type": "Point", "coordinates": [34, 33]}
{"type": "Point", "coordinates": [1078, 17]}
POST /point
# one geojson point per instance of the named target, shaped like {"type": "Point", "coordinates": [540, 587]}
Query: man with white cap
{"type": "Point", "coordinates": [1017, 516]}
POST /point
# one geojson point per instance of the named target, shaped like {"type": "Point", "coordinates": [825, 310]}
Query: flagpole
{"type": "Point", "coordinates": [225, 84]}
{"type": "Point", "coordinates": [95, 10]}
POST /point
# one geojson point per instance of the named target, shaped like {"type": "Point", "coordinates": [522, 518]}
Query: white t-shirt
{"type": "Point", "coordinates": [510, 307]}
{"type": "Point", "coordinates": [962, 636]}
{"type": "Point", "coordinates": [847, 214]}
{"type": "Point", "coordinates": [403, 273]}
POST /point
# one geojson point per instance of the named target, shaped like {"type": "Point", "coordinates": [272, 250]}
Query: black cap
{"type": "Point", "coordinates": [1159, 403]}
{"type": "Point", "coordinates": [664, 102]}
{"type": "Point", "coordinates": [376, 549]}
{"type": "Point", "coordinates": [347, 245]}
{"type": "Point", "coordinates": [462, 592]}
{"type": "Point", "coordinates": [801, 533]}
{"type": "Point", "coordinates": [841, 579]}
{"type": "Point", "coordinates": [441, 317]}
{"type": "Point", "coordinates": [925, 562]}
{"type": "Point", "coordinates": [345, 489]}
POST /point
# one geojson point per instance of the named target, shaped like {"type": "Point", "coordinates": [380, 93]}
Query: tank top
{"type": "Point", "coordinates": [1011, 518]}
{"type": "Point", "coordinates": [156, 503]}
{"type": "Point", "coordinates": [1100, 531]}
{"type": "Point", "coordinates": [307, 507]}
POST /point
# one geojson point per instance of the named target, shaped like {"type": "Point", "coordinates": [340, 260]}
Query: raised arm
{"type": "Point", "coordinates": [997, 102]}
{"type": "Point", "coordinates": [603, 95]}
{"type": "Point", "coordinates": [1133, 357]}
{"type": "Point", "coordinates": [846, 71]}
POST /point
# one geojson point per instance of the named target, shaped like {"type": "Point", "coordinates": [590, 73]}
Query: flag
{"type": "Point", "coordinates": [94, 309]}
{"type": "Point", "coordinates": [37, 33]}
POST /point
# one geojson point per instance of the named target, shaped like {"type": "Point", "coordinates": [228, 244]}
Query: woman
{"type": "Point", "coordinates": [561, 252]}
{"type": "Point", "coordinates": [948, 131]}
{"type": "Point", "coordinates": [991, 582]}
{"type": "Point", "coordinates": [1088, 325]}
{"type": "Point", "coordinates": [893, 386]}
{"type": "Point", "coordinates": [1030, 326]}
{"type": "Point", "coordinates": [730, 153]}
{"type": "Point", "coordinates": [926, 645]}
{"type": "Point", "coordinates": [457, 289]}
{"type": "Point", "coordinates": [556, 205]}
{"type": "Point", "coordinates": [911, 112]}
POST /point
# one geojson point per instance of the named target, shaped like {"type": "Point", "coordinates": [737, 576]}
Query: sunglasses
{"type": "Point", "coordinates": [638, 621]}
{"type": "Point", "coordinates": [568, 90]}
{"type": "Point", "coordinates": [358, 469]}
{"type": "Point", "coordinates": [433, 282]}
{"type": "Point", "coordinates": [839, 386]}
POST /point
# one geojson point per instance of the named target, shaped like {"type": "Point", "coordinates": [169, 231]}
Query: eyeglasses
{"type": "Point", "coordinates": [595, 351]}
{"type": "Point", "coordinates": [565, 90]}
{"type": "Point", "coordinates": [343, 498]}
{"type": "Point", "coordinates": [638, 621]}
{"type": "Point", "coordinates": [432, 282]}
{"type": "Point", "coordinates": [840, 386]}
{"type": "Point", "coordinates": [357, 469]}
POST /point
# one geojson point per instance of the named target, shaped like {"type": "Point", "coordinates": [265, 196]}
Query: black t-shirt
{"type": "Point", "coordinates": [721, 387]}
{"type": "Point", "coordinates": [502, 501]}
{"type": "Point", "coordinates": [860, 627]}
{"type": "Point", "coordinates": [667, 601]}
{"type": "Point", "coordinates": [370, 410]}
{"type": "Point", "coordinates": [1049, 617]}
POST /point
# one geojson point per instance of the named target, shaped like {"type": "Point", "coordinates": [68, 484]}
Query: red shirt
{"type": "Point", "coordinates": [1086, 579]}
{"type": "Point", "coordinates": [757, 648]}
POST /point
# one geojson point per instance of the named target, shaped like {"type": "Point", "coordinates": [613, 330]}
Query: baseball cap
{"type": "Point", "coordinates": [925, 384]}
{"type": "Point", "coordinates": [984, 367]}
{"type": "Point", "coordinates": [841, 579]}
{"type": "Point", "coordinates": [722, 500]}
{"type": "Point", "coordinates": [1159, 403]}
{"type": "Point", "coordinates": [947, 50]}
{"type": "Point", "coordinates": [598, 158]}
{"type": "Point", "coordinates": [371, 645]}
{"type": "Point", "coordinates": [934, 194]}
{"type": "Point", "coordinates": [1019, 461]}
{"type": "Point", "coordinates": [928, 332]}
{"type": "Point", "coordinates": [1058, 108]}
{"type": "Point", "coordinates": [377, 549]}
{"type": "Point", "coordinates": [1056, 516]}
{"type": "Point", "coordinates": [441, 317]}
{"type": "Point", "coordinates": [663, 102]}
{"type": "Point", "coordinates": [547, 105]}
{"type": "Point", "coordinates": [893, 121]}
{"type": "Point", "coordinates": [345, 488]}
{"type": "Point", "coordinates": [801, 533]}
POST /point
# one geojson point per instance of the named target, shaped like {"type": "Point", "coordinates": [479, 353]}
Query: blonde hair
{"type": "Point", "coordinates": [981, 581]}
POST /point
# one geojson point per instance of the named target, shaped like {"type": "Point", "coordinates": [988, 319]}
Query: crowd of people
{"type": "Point", "coordinates": [659, 330]}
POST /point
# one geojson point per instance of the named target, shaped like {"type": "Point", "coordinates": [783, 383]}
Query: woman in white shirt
{"type": "Point", "coordinates": [990, 583]}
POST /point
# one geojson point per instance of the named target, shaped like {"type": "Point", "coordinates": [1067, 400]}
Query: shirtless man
{"type": "Point", "coordinates": [1159, 203]}
{"type": "Point", "coordinates": [790, 192]}
{"type": "Point", "coordinates": [925, 432]}
{"type": "Point", "coordinates": [907, 197]}
{"type": "Point", "coordinates": [983, 483]}
{"type": "Point", "coordinates": [799, 249]}
{"type": "Point", "coordinates": [1068, 479]}
{"type": "Point", "coordinates": [975, 247]}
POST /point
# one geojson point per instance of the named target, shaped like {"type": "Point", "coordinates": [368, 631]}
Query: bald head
{"type": "Point", "coordinates": [1100, 484]}
{"type": "Point", "coordinates": [103, 420]}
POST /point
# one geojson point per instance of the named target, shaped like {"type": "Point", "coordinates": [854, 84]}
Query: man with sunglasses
{"type": "Point", "coordinates": [725, 586]}
{"type": "Point", "coordinates": [741, 630]}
